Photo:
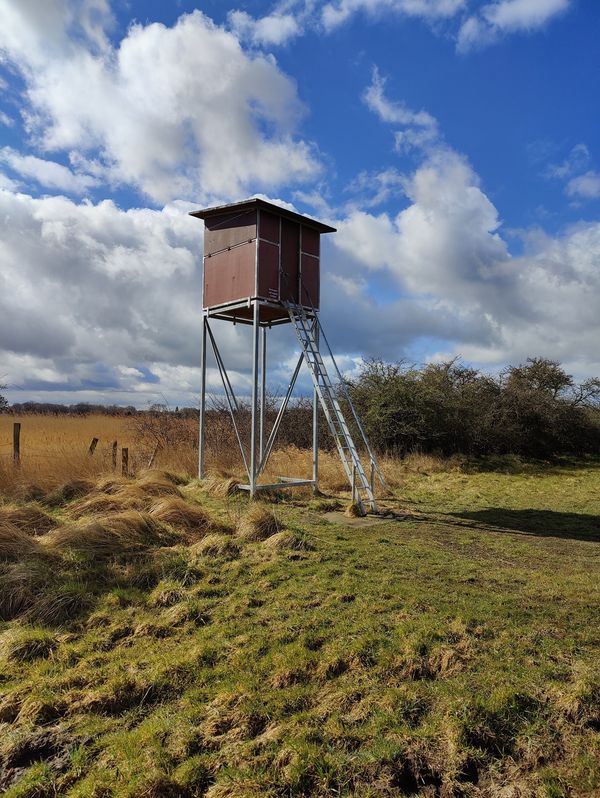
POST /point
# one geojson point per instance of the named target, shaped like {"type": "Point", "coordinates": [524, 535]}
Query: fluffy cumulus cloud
{"type": "Point", "coordinates": [101, 303]}
{"type": "Point", "coordinates": [497, 19]}
{"type": "Point", "coordinates": [86, 290]}
{"type": "Point", "coordinates": [178, 111]}
{"type": "Point", "coordinates": [585, 186]}
{"type": "Point", "coordinates": [459, 283]}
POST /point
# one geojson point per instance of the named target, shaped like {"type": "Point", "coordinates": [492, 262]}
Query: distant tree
{"type": "Point", "coordinates": [3, 400]}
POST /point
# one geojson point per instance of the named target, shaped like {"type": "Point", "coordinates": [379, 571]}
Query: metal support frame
{"type": "Point", "coordinates": [254, 402]}
{"type": "Point", "coordinates": [256, 458]}
{"type": "Point", "coordinates": [315, 423]}
{"type": "Point", "coordinates": [263, 383]}
{"type": "Point", "coordinates": [202, 419]}
{"type": "Point", "coordinates": [229, 394]}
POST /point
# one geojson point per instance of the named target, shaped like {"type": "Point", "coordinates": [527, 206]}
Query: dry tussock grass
{"type": "Point", "coordinates": [157, 484]}
{"type": "Point", "coordinates": [220, 486]}
{"type": "Point", "coordinates": [257, 523]}
{"type": "Point", "coordinates": [27, 644]}
{"type": "Point", "coordinates": [217, 546]}
{"type": "Point", "coordinates": [122, 533]}
{"type": "Point", "coordinates": [286, 540]}
{"type": "Point", "coordinates": [14, 543]}
{"type": "Point", "coordinates": [105, 504]}
{"type": "Point", "coordinates": [68, 491]}
{"type": "Point", "coordinates": [188, 518]}
{"type": "Point", "coordinates": [28, 518]}
{"type": "Point", "coordinates": [20, 584]}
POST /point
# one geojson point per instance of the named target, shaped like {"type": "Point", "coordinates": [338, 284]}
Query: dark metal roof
{"type": "Point", "coordinates": [205, 213]}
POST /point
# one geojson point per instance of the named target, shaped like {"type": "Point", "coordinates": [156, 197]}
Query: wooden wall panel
{"type": "Point", "coordinates": [228, 230]}
{"type": "Point", "coordinates": [230, 275]}
{"type": "Point", "coordinates": [268, 270]}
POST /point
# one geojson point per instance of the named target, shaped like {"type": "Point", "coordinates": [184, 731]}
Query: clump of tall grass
{"type": "Point", "coordinates": [188, 518]}
{"type": "Point", "coordinates": [257, 523]}
{"type": "Point", "coordinates": [128, 532]}
{"type": "Point", "coordinates": [27, 644]}
{"type": "Point", "coordinates": [220, 486]}
{"type": "Point", "coordinates": [14, 543]}
{"type": "Point", "coordinates": [287, 540]}
{"type": "Point", "coordinates": [217, 546]}
{"type": "Point", "coordinates": [73, 489]}
{"type": "Point", "coordinates": [28, 518]}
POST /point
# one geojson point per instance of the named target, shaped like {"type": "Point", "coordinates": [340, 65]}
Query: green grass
{"type": "Point", "coordinates": [451, 652]}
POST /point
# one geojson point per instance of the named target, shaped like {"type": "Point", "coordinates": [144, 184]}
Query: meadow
{"type": "Point", "coordinates": [161, 636]}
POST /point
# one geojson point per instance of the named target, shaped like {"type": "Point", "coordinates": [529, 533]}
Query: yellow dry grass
{"type": "Point", "coordinates": [125, 532]}
{"type": "Point", "coordinates": [257, 523]}
{"type": "Point", "coordinates": [54, 450]}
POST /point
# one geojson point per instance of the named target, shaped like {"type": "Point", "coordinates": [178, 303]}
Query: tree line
{"type": "Point", "coordinates": [535, 409]}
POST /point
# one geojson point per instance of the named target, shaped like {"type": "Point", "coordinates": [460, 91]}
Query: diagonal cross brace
{"type": "Point", "coordinates": [231, 400]}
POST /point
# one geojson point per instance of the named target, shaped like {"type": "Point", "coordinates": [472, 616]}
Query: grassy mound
{"type": "Point", "coordinates": [217, 546]}
{"type": "Point", "coordinates": [257, 523]}
{"type": "Point", "coordinates": [188, 518]}
{"type": "Point", "coordinates": [121, 533]}
{"type": "Point", "coordinates": [28, 517]}
{"type": "Point", "coordinates": [73, 489]}
{"type": "Point", "coordinates": [14, 543]}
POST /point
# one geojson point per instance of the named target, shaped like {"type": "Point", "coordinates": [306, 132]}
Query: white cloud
{"type": "Point", "coordinates": [47, 173]}
{"type": "Point", "coordinates": [586, 186]}
{"type": "Point", "coordinates": [581, 183]}
{"type": "Point", "coordinates": [336, 13]}
{"type": "Point", "coordinates": [576, 161]}
{"type": "Point", "coordinates": [274, 29]}
{"type": "Point", "coordinates": [389, 111]}
{"type": "Point", "coordinates": [5, 119]}
{"type": "Point", "coordinates": [446, 254]}
{"type": "Point", "coordinates": [420, 131]}
{"type": "Point", "coordinates": [507, 16]}
{"type": "Point", "coordinates": [175, 112]}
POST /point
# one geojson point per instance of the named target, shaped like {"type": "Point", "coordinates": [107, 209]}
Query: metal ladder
{"type": "Point", "coordinates": [362, 486]}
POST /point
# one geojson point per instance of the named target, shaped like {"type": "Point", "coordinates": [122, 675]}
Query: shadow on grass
{"type": "Point", "coordinates": [545, 523]}
{"type": "Point", "coordinates": [515, 465]}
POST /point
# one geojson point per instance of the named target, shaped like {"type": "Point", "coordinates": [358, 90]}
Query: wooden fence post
{"type": "Point", "coordinates": [114, 455]}
{"type": "Point", "coordinates": [17, 443]}
{"type": "Point", "coordinates": [93, 445]}
{"type": "Point", "coordinates": [125, 461]}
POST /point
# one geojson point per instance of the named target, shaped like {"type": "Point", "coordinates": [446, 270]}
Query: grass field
{"type": "Point", "coordinates": [160, 638]}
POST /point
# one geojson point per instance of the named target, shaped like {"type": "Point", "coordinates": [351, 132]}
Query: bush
{"type": "Point", "coordinates": [534, 409]}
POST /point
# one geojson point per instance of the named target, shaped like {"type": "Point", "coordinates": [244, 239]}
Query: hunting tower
{"type": "Point", "coordinates": [262, 268]}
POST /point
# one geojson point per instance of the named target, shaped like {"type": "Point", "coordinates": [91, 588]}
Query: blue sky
{"type": "Point", "coordinates": [455, 144]}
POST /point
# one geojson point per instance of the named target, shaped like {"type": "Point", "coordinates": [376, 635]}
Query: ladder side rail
{"type": "Point", "coordinates": [322, 383]}
{"type": "Point", "coordinates": [307, 346]}
{"type": "Point", "coordinates": [346, 392]}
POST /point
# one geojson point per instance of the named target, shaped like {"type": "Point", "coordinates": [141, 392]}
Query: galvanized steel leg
{"type": "Point", "coordinates": [202, 417]}
{"type": "Point", "coordinates": [315, 424]}
{"type": "Point", "coordinates": [263, 391]}
{"type": "Point", "coordinates": [254, 419]}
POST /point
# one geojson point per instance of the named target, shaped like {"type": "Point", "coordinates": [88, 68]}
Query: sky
{"type": "Point", "coordinates": [454, 144]}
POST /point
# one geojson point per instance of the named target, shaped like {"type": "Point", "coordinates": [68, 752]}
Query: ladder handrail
{"type": "Point", "coordinates": [333, 412]}
{"type": "Point", "coordinates": [345, 390]}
